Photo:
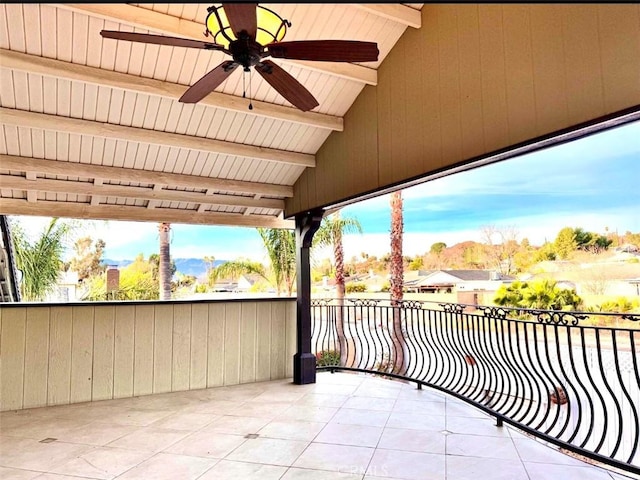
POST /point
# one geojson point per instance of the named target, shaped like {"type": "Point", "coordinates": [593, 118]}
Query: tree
{"type": "Point", "coordinates": [437, 248]}
{"type": "Point", "coordinates": [87, 259]}
{"type": "Point", "coordinates": [330, 234]}
{"type": "Point", "coordinates": [565, 243]}
{"type": "Point", "coordinates": [235, 268]}
{"type": "Point", "coordinates": [137, 282]}
{"type": "Point", "coordinates": [501, 247]}
{"type": "Point", "coordinates": [40, 261]}
{"type": "Point", "coordinates": [541, 294]}
{"type": "Point", "coordinates": [396, 282]}
{"type": "Point", "coordinates": [165, 261]}
{"type": "Point", "coordinates": [281, 250]}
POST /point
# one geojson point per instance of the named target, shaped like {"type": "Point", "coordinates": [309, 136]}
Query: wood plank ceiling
{"type": "Point", "coordinates": [92, 127]}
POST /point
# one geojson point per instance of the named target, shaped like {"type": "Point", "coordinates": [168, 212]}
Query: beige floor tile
{"type": "Point", "coordinates": [460, 409]}
{"type": "Point", "coordinates": [286, 395]}
{"type": "Point", "coordinates": [377, 392]}
{"type": "Point", "coordinates": [139, 417]}
{"type": "Point", "coordinates": [102, 462]}
{"type": "Point", "coordinates": [416, 422]}
{"type": "Point", "coordinates": [207, 444]}
{"type": "Point", "coordinates": [344, 378]}
{"type": "Point", "coordinates": [215, 407]}
{"type": "Point", "coordinates": [185, 421]}
{"type": "Point", "coordinates": [475, 468]}
{"type": "Point", "coordinates": [271, 451]}
{"type": "Point", "coordinates": [336, 389]}
{"type": "Point", "coordinates": [44, 428]}
{"type": "Point", "coordinates": [407, 465]}
{"type": "Point", "coordinates": [424, 395]}
{"type": "Point", "coordinates": [228, 470]}
{"type": "Point", "coordinates": [356, 435]}
{"type": "Point", "coordinates": [149, 439]}
{"type": "Point", "coordinates": [165, 466]}
{"type": "Point", "coordinates": [269, 410]}
{"type": "Point", "coordinates": [546, 471]}
{"type": "Point", "coordinates": [28, 454]}
{"type": "Point", "coordinates": [370, 403]}
{"type": "Point", "coordinates": [323, 400]}
{"type": "Point", "coordinates": [97, 433]}
{"type": "Point", "coordinates": [16, 474]}
{"type": "Point", "coordinates": [306, 474]}
{"type": "Point", "coordinates": [475, 426]}
{"type": "Point", "coordinates": [236, 425]}
{"type": "Point", "coordinates": [412, 440]}
{"type": "Point", "coordinates": [56, 476]}
{"type": "Point", "coordinates": [294, 430]}
{"type": "Point", "coordinates": [419, 407]}
{"type": "Point", "coordinates": [337, 458]}
{"type": "Point", "coordinates": [479, 446]}
{"type": "Point", "coordinates": [352, 416]}
{"type": "Point", "coordinates": [310, 413]}
{"type": "Point", "coordinates": [531, 450]}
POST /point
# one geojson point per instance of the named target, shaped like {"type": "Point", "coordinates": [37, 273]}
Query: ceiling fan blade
{"type": "Point", "coordinates": [209, 82]}
{"type": "Point", "coordinates": [326, 50]}
{"type": "Point", "coordinates": [159, 40]}
{"type": "Point", "coordinates": [242, 16]}
{"type": "Point", "coordinates": [287, 86]}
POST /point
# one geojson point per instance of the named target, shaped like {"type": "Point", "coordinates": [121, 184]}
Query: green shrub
{"type": "Point", "coordinates": [201, 288]}
{"type": "Point", "coordinates": [355, 287]}
{"type": "Point", "coordinates": [328, 358]}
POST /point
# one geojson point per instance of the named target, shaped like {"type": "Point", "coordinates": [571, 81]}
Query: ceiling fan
{"type": "Point", "coordinates": [250, 33]}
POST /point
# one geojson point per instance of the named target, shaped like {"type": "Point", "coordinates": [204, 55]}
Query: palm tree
{"type": "Point", "coordinates": [396, 281]}
{"type": "Point", "coordinates": [330, 234]}
{"type": "Point", "coordinates": [40, 261]}
{"type": "Point", "coordinates": [281, 250]}
{"type": "Point", "coordinates": [165, 261]}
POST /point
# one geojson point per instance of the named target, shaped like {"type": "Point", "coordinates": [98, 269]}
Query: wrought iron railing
{"type": "Point", "coordinates": [561, 376]}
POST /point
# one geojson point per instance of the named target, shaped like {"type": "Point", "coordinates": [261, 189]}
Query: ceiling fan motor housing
{"type": "Point", "coordinates": [245, 51]}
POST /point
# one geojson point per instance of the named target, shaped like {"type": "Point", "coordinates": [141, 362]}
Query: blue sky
{"type": "Point", "coordinates": [592, 183]}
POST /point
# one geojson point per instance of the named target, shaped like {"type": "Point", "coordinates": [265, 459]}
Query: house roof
{"type": "Point", "coordinates": [92, 127]}
{"type": "Point", "coordinates": [449, 277]}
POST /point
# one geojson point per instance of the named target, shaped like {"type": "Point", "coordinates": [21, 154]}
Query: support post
{"type": "Point", "coordinates": [304, 362]}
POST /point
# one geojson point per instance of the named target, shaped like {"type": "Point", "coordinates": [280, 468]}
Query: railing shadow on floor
{"type": "Point", "coordinates": [569, 378]}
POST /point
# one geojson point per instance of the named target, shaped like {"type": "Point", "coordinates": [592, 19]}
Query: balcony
{"type": "Point", "coordinates": [203, 390]}
{"type": "Point", "coordinates": [346, 426]}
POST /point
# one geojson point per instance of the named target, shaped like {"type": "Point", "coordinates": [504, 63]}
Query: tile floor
{"type": "Point", "coordinates": [346, 426]}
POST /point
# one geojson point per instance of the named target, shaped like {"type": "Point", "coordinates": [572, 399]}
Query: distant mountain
{"type": "Point", "coordinates": [187, 266]}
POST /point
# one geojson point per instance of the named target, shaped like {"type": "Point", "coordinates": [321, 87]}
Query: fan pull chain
{"type": "Point", "coordinates": [250, 92]}
{"type": "Point", "coordinates": [244, 89]}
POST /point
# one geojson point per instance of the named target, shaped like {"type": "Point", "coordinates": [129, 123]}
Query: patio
{"type": "Point", "coordinates": [348, 426]}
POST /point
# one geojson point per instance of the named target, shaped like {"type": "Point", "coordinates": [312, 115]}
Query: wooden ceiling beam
{"type": "Point", "coordinates": [170, 25]}
{"type": "Point", "coordinates": [97, 76]}
{"type": "Point", "coordinates": [11, 206]}
{"type": "Point", "coordinates": [394, 11]}
{"type": "Point", "coordinates": [23, 118]}
{"type": "Point", "coordinates": [14, 182]}
{"type": "Point", "coordinates": [119, 174]}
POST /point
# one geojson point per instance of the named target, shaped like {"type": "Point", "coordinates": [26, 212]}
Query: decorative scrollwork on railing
{"type": "Point", "coordinates": [452, 307]}
{"type": "Point", "coordinates": [320, 302]}
{"type": "Point", "coordinates": [363, 302]}
{"type": "Point", "coordinates": [631, 317]}
{"type": "Point", "coordinates": [494, 312]}
{"type": "Point", "coordinates": [411, 304]}
{"type": "Point", "coordinates": [558, 318]}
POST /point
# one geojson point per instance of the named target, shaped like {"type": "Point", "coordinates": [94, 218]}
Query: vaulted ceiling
{"type": "Point", "coordinates": [92, 127]}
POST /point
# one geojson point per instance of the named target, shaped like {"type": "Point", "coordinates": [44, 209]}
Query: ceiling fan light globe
{"type": "Point", "coordinates": [271, 27]}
